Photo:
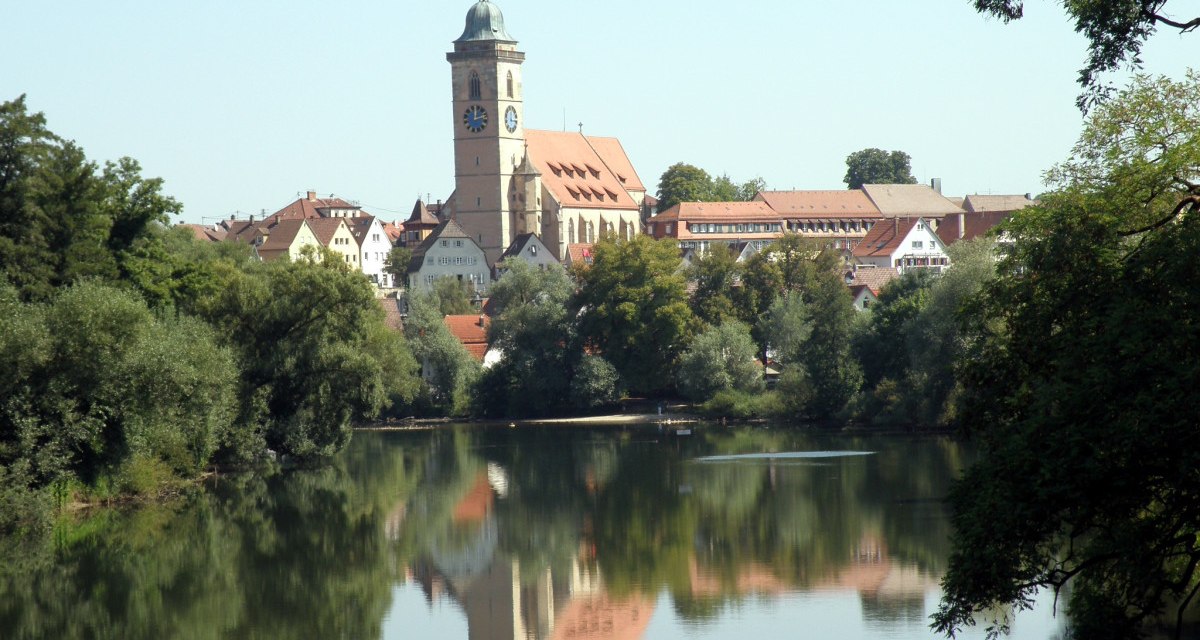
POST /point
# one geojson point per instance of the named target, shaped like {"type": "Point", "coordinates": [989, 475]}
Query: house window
{"type": "Point", "coordinates": [458, 243]}
{"type": "Point", "coordinates": [429, 278]}
{"type": "Point", "coordinates": [918, 244]}
{"type": "Point", "coordinates": [458, 260]}
{"type": "Point", "coordinates": [533, 250]}
{"type": "Point", "coordinates": [473, 86]}
{"type": "Point", "coordinates": [445, 243]}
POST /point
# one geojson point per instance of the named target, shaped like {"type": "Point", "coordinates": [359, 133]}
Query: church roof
{"type": "Point", "coordinates": [484, 22]}
{"type": "Point", "coordinates": [843, 203]}
{"type": "Point", "coordinates": [583, 172]}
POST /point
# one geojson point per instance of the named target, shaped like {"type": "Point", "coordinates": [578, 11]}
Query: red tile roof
{"type": "Point", "coordinates": [574, 171]}
{"type": "Point", "coordinates": [896, 200]}
{"type": "Point", "coordinates": [393, 232]}
{"type": "Point", "coordinates": [281, 237]}
{"type": "Point", "coordinates": [844, 203]}
{"type": "Point", "coordinates": [973, 225]}
{"type": "Point", "coordinates": [421, 216]}
{"type": "Point", "coordinates": [720, 213]}
{"type": "Point", "coordinates": [874, 278]}
{"type": "Point", "coordinates": [325, 228]}
{"type": "Point", "coordinates": [204, 232]}
{"type": "Point", "coordinates": [885, 237]}
{"type": "Point", "coordinates": [579, 253]}
{"type": "Point", "coordinates": [309, 208]}
{"type": "Point", "coordinates": [471, 331]}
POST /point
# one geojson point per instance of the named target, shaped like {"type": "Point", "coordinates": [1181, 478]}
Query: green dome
{"type": "Point", "coordinates": [485, 22]}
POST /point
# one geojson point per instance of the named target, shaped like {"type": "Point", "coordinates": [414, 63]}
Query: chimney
{"type": "Point", "coordinates": [1029, 196]}
{"type": "Point", "coordinates": [251, 218]}
{"type": "Point", "coordinates": [233, 216]}
{"type": "Point", "coordinates": [481, 319]}
{"type": "Point", "coordinates": [312, 195]}
{"type": "Point", "coordinates": [936, 184]}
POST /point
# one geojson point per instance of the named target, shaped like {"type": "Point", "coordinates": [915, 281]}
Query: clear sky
{"type": "Point", "coordinates": [241, 105]}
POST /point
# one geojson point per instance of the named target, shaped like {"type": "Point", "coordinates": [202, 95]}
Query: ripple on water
{"type": "Point", "coordinates": [785, 455]}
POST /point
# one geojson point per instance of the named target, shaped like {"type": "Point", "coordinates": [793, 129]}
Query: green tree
{"type": "Point", "coordinates": [535, 335]}
{"type": "Point", "coordinates": [715, 274]}
{"type": "Point", "coordinates": [449, 371]}
{"type": "Point", "coordinates": [62, 219]}
{"type": "Point", "coordinates": [683, 182]}
{"type": "Point", "coordinates": [720, 359]}
{"type": "Point", "coordinates": [1115, 32]}
{"type": "Point", "coordinates": [797, 266]}
{"type": "Point", "coordinates": [876, 166]}
{"type": "Point", "coordinates": [397, 264]}
{"type": "Point", "coordinates": [1080, 379]}
{"type": "Point", "coordinates": [633, 309]}
{"type": "Point", "coordinates": [312, 360]}
{"type": "Point", "coordinates": [452, 296]}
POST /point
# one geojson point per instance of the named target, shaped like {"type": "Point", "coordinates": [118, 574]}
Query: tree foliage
{"type": "Point", "coordinates": [682, 182]}
{"type": "Point", "coordinates": [1080, 379]}
{"type": "Point", "coordinates": [720, 359]}
{"type": "Point", "coordinates": [449, 371]}
{"type": "Point", "coordinates": [633, 310]}
{"type": "Point", "coordinates": [536, 336]}
{"type": "Point", "coordinates": [876, 166]}
{"type": "Point", "coordinates": [1115, 32]}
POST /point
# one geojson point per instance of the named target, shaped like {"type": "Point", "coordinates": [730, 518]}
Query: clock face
{"type": "Point", "coordinates": [510, 119]}
{"type": "Point", "coordinates": [475, 118]}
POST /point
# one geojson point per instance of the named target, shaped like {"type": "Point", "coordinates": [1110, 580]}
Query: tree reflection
{"type": "Point", "coordinates": [527, 530]}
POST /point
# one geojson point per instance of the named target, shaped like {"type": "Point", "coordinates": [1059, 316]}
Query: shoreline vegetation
{"type": "Point", "coordinates": [133, 357]}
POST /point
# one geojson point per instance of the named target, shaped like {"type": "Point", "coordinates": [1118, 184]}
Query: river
{"type": "Point", "coordinates": [528, 533]}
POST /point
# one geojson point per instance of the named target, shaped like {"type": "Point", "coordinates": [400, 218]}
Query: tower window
{"type": "Point", "coordinates": [510, 84]}
{"type": "Point", "coordinates": [473, 86]}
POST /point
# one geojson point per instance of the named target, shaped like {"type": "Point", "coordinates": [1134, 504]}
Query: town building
{"type": "Point", "coordinates": [419, 225]}
{"type": "Point", "coordinates": [286, 238]}
{"type": "Point", "coordinates": [980, 214]}
{"type": "Point", "coordinates": [509, 180]}
{"type": "Point", "coordinates": [449, 252]}
{"type": "Point", "coordinates": [335, 235]}
{"type": "Point", "coordinates": [912, 201]}
{"type": "Point", "coordinates": [373, 249]}
{"type": "Point", "coordinates": [841, 218]}
{"type": "Point", "coordinates": [528, 248]}
{"type": "Point", "coordinates": [701, 225]}
{"type": "Point", "coordinates": [902, 243]}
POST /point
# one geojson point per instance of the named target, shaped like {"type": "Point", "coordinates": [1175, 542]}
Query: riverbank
{"type": "Point", "coordinates": [616, 419]}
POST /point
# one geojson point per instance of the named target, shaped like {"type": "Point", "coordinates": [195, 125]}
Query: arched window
{"type": "Point", "coordinates": [473, 86]}
{"type": "Point", "coordinates": [510, 84]}
{"type": "Point", "coordinates": [571, 231]}
{"type": "Point", "coordinates": [591, 234]}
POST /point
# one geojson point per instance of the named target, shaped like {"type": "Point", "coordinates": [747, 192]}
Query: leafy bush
{"type": "Point", "coordinates": [742, 405]}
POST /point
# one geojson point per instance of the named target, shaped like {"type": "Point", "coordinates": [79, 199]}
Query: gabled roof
{"type": "Point", "coordinates": [579, 253]}
{"type": "Point", "coordinates": [393, 232]}
{"type": "Point", "coordinates": [447, 229]}
{"type": "Point", "coordinates": [973, 225]}
{"type": "Point", "coordinates": [519, 244]}
{"type": "Point", "coordinates": [753, 211]}
{"type": "Point", "coordinates": [895, 200]}
{"type": "Point", "coordinates": [873, 278]}
{"type": "Point", "coordinates": [1006, 203]}
{"type": "Point", "coordinates": [421, 216]}
{"type": "Point", "coordinates": [325, 228]}
{"type": "Point", "coordinates": [391, 313]}
{"type": "Point", "coordinates": [361, 226]}
{"type": "Point", "coordinates": [471, 331]}
{"type": "Point", "coordinates": [281, 237]}
{"type": "Point", "coordinates": [309, 207]}
{"type": "Point", "coordinates": [204, 232]}
{"type": "Point", "coordinates": [822, 204]}
{"type": "Point", "coordinates": [575, 172]}
{"type": "Point", "coordinates": [885, 237]}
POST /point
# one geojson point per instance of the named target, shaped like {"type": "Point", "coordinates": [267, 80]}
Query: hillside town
{"type": "Point", "coordinates": [546, 197]}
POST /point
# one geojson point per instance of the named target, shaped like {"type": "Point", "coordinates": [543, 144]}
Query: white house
{"type": "Point", "coordinates": [373, 248]}
{"type": "Point", "coordinates": [902, 243]}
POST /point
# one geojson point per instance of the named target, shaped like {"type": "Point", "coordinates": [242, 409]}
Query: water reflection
{"type": "Point", "coordinates": [521, 534]}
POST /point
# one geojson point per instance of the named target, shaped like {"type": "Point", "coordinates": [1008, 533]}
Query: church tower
{"type": "Point", "coordinates": [489, 134]}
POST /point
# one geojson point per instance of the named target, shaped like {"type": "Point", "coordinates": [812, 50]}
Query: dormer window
{"type": "Point", "coordinates": [473, 87]}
